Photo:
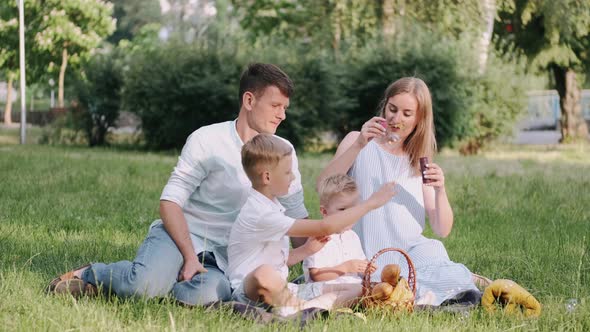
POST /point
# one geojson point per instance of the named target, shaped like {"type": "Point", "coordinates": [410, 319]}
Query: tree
{"type": "Point", "coordinates": [131, 16]}
{"type": "Point", "coordinates": [555, 36]}
{"type": "Point", "coordinates": [9, 47]}
{"type": "Point", "coordinates": [70, 30]}
{"type": "Point", "coordinates": [328, 22]}
{"type": "Point", "coordinates": [8, 55]}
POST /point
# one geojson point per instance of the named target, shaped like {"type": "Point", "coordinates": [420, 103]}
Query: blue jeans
{"type": "Point", "coordinates": [154, 273]}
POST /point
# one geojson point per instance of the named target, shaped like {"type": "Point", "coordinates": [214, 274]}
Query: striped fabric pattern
{"type": "Point", "coordinates": [400, 224]}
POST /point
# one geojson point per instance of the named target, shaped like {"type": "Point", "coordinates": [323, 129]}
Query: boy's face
{"type": "Point", "coordinates": [281, 177]}
{"type": "Point", "coordinates": [339, 203]}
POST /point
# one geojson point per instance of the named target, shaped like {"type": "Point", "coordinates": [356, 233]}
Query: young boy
{"type": "Point", "coordinates": [341, 260]}
{"type": "Point", "coordinates": [258, 249]}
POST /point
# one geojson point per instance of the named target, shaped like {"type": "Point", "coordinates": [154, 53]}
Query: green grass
{"type": "Point", "coordinates": [519, 214]}
{"type": "Point", "coordinates": [11, 135]}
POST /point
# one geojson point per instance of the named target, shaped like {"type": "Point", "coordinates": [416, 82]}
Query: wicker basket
{"type": "Point", "coordinates": [367, 299]}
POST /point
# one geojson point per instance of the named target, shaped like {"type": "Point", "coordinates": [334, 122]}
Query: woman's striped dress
{"type": "Point", "coordinates": [400, 223]}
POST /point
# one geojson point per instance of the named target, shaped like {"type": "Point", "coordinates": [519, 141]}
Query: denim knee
{"type": "Point", "coordinates": [146, 282]}
{"type": "Point", "coordinates": [203, 288]}
{"type": "Point", "coordinates": [126, 279]}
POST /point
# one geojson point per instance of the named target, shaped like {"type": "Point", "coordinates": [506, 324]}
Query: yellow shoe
{"type": "Point", "coordinates": [512, 296]}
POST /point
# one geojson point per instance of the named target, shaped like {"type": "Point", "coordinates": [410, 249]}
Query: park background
{"type": "Point", "coordinates": [131, 79]}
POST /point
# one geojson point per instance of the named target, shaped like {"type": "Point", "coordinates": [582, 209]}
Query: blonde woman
{"type": "Point", "coordinates": [388, 148]}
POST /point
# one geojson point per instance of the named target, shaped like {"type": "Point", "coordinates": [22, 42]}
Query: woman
{"type": "Point", "coordinates": [388, 148]}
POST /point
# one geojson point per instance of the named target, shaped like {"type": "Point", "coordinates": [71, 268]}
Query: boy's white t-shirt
{"type": "Point", "coordinates": [341, 248]}
{"type": "Point", "coordinates": [258, 236]}
{"type": "Point", "coordinates": [210, 185]}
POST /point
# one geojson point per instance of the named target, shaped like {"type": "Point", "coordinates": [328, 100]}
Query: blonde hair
{"type": "Point", "coordinates": [421, 142]}
{"type": "Point", "coordinates": [263, 151]}
{"type": "Point", "coordinates": [335, 185]}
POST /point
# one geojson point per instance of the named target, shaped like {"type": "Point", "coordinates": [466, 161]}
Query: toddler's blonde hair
{"type": "Point", "coordinates": [335, 185]}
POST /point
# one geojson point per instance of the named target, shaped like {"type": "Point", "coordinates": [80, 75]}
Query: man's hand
{"type": "Point", "coordinates": [190, 268]}
{"type": "Point", "coordinates": [315, 244]}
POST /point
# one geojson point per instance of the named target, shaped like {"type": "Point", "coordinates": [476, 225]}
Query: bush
{"type": "Point", "coordinates": [97, 100]}
{"type": "Point", "coordinates": [433, 61]}
{"type": "Point", "coordinates": [499, 99]}
{"type": "Point", "coordinates": [176, 88]}
{"type": "Point", "coordinates": [313, 101]}
{"type": "Point", "coordinates": [469, 108]}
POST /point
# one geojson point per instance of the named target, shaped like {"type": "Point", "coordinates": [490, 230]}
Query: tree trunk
{"type": "Point", "coordinates": [572, 123]}
{"type": "Point", "coordinates": [489, 11]}
{"type": "Point", "coordinates": [62, 74]}
{"type": "Point", "coordinates": [336, 30]}
{"type": "Point", "coordinates": [8, 107]}
{"type": "Point", "coordinates": [388, 19]}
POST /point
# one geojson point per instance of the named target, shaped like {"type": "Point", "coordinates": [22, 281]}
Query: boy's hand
{"type": "Point", "coordinates": [382, 196]}
{"type": "Point", "coordinates": [372, 268]}
{"type": "Point", "coordinates": [358, 266]}
{"type": "Point", "coordinates": [315, 244]}
{"type": "Point", "coordinates": [189, 269]}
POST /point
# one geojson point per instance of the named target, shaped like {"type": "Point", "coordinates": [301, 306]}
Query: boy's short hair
{"type": "Point", "coordinates": [263, 150]}
{"type": "Point", "coordinates": [258, 76]}
{"type": "Point", "coordinates": [335, 185]}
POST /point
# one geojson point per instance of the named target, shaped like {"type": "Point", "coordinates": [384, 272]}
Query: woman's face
{"type": "Point", "coordinates": [401, 113]}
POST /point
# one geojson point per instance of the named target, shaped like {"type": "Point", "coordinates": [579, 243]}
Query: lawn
{"type": "Point", "coordinates": [520, 213]}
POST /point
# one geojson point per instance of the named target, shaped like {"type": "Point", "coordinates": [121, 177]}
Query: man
{"type": "Point", "coordinates": [185, 252]}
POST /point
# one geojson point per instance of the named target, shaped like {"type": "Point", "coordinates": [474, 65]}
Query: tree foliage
{"type": "Point", "coordinates": [67, 30]}
{"type": "Point", "coordinates": [9, 46]}
{"type": "Point", "coordinates": [132, 16]}
{"type": "Point", "coordinates": [98, 96]}
{"type": "Point", "coordinates": [555, 35]}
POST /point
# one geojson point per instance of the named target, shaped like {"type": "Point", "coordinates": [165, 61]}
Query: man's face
{"type": "Point", "coordinates": [267, 111]}
{"type": "Point", "coordinates": [281, 176]}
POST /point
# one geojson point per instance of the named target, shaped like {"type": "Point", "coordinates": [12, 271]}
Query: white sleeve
{"type": "Point", "coordinates": [188, 173]}
{"type": "Point", "coordinates": [293, 202]}
{"type": "Point", "coordinates": [273, 225]}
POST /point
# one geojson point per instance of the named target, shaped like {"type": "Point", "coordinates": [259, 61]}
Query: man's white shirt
{"type": "Point", "coordinates": [210, 186]}
{"type": "Point", "coordinates": [259, 236]}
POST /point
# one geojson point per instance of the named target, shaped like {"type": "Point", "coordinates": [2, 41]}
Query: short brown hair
{"type": "Point", "coordinates": [335, 185]}
{"type": "Point", "coordinates": [258, 76]}
{"type": "Point", "coordinates": [263, 150]}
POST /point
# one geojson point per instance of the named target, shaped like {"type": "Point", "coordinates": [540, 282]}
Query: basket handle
{"type": "Point", "coordinates": [411, 269]}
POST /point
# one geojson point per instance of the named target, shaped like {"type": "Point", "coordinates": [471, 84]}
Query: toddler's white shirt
{"type": "Point", "coordinates": [341, 248]}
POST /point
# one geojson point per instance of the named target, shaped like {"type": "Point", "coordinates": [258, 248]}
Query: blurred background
{"type": "Point", "coordinates": [146, 73]}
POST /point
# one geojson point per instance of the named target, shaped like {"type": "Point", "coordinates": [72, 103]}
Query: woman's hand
{"type": "Point", "coordinates": [370, 130]}
{"type": "Point", "coordinates": [436, 175]}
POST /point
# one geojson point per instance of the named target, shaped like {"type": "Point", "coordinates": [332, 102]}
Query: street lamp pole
{"type": "Point", "coordinates": [21, 32]}
{"type": "Point", "coordinates": [51, 83]}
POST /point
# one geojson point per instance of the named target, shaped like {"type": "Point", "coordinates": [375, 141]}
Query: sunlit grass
{"type": "Point", "coordinates": [521, 213]}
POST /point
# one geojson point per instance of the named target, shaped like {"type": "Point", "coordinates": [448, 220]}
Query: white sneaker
{"type": "Point", "coordinates": [285, 311]}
